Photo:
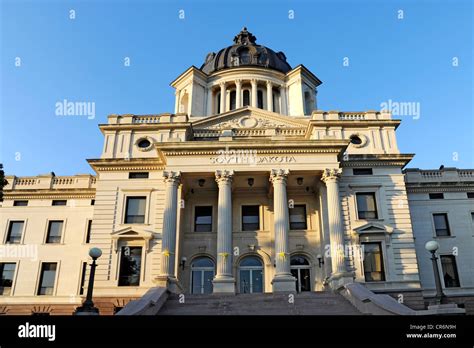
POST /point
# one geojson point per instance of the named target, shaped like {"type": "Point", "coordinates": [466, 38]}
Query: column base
{"type": "Point", "coordinates": [284, 283]}
{"type": "Point", "coordinates": [224, 285]}
{"type": "Point", "coordinates": [338, 280]}
{"type": "Point", "coordinates": [172, 284]}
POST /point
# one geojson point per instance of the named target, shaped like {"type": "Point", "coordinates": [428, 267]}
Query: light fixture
{"type": "Point", "coordinates": [201, 182]}
{"type": "Point", "coordinates": [250, 181]}
{"type": "Point", "coordinates": [252, 247]}
{"type": "Point", "coordinates": [299, 181]}
{"type": "Point", "coordinates": [432, 246]}
{"type": "Point", "coordinates": [88, 307]}
{"type": "Point", "coordinates": [183, 262]}
{"type": "Point", "coordinates": [320, 260]}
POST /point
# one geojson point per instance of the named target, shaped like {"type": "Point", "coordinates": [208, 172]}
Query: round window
{"type": "Point", "coordinates": [143, 144]}
{"type": "Point", "coordinates": [356, 140]}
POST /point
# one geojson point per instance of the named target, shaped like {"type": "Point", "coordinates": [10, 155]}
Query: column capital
{"type": "Point", "coordinates": [224, 176]}
{"type": "Point", "coordinates": [238, 81]}
{"type": "Point", "coordinates": [253, 81]}
{"type": "Point", "coordinates": [269, 83]}
{"type": "Point", "coordinates": [331, 174]}
{"type": "Point", "coordinates": [222, 84]}
{"type": "Point", "coordinates": [278, 175]}
{"type": "Point", "coordinates": [171, 177]}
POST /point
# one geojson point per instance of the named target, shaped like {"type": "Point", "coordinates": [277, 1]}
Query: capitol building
{"type": "Point", "coordinates": [246, 190]}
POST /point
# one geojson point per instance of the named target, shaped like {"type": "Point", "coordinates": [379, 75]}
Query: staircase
{"type": "Point", "coordinates": [307, 303]}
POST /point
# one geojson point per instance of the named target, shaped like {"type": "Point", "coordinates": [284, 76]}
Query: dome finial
{"type": "Point", "coordinates": [244, 37]}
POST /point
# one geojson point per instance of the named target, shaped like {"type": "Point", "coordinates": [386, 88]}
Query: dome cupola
{"type": "Point", "coordinates": [245, 52]}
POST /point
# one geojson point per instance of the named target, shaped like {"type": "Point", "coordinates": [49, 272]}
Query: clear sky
{"type": "Point", "coordinates": [422, 55]}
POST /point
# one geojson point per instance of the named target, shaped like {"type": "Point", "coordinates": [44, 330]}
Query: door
{"type": "Point", "coordinates": [202, 274]}
{"type": "Point", "coordinates": [251, 275]}
{"type": "Point", "coordinates": [301, 270]}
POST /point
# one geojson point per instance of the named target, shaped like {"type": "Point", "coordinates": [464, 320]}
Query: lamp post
{"type": "Point", "coordinates": [432, 246]}
{"type": "Point", "coordinates": [87, 307]}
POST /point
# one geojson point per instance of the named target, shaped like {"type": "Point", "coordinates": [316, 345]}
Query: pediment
{"type": "Point", "coordinates": [373, 227]}
{"type": "Point", "coordinates": [248, 118]}
{"type": "Point", "coordinates": [134, 233]}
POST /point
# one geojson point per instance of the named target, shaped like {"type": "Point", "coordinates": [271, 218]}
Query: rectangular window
{"type": "Point", "coordinates": [20, 203]}
{"type": "Point", "coordinates": [450, 271]}
{"type": "Point", "coordinates": [135, 210]}
{"type": "Point", "coordinates": [138, 175]}
{"type": "Point", "coordinates": [436, 196]}
{"type": "Point", "coordinates": [298, 217]}
{"type": "Point", "coordinates": [373, 262]}
{"type": "Point", "coordinates": [362, 171]}
{"type": "Point", "coordinates": [82, 290]}
{"type": "Point", "coordinates": [55, 229]}
{"type": "Point", "coordinates": [7, 272]}
{"type": "Point", "coordinates": [92, 201]}
{"type": "Point", "coordinates": [47, 278]}
{"type": "Point", "coordinates": [250, 217]}
{"type": "Point", "coordinates": [366, 205]}
{"type": "Point", "coordinates": [14, 232]}
{"type": "Point", "coordinates": [441, 225]}
{"type": "Point", "coordinates": [130, 266]}
{"type": "Point", "coordinates": [203, 219]}
{"type": "Point", "coordinates": [470, 194]}
{"type": "Point", "coordinates": [88, 232]}
{"type": "Point", "coordinates": [59, 202]}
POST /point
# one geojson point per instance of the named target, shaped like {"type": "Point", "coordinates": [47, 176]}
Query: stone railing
{"type": "Point", "coordinates": [319, 115]}
{"type": "Point", "coordinates": [352, 116]}
{"type": "Point", "coordinates": [49, 181]}
{"type": "Point", "coordinates": [448, 174]}
{"type": "Point", "coordinates": [147, 119]}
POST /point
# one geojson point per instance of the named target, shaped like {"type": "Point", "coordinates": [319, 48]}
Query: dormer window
{"type": "Point", "coordinates": [245, 56]}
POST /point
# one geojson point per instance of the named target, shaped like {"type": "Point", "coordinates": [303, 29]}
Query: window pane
{"type": "Point", "coordinates": [441, 224]}
{"type": "Point", "coordinates": [208, 277]}
{"type": "Point", "coordinates": [299, 261]}
{"type": "Point", "coordinates": [250, 218]}
{"type": "Point", "coordinates": [251, 261]}
{"type": "Point", "coordinates": [130, 266]}
{"type": "Point", "coordinates": [298, 217]}
{"type": "Point", "coordinates": [203, 219]}
{"type": "Point", "coordinates": [232, 100]}
{"type": "Point", "coordinates": [14, 232]}
{"type": "Point", "coordinates": [59, 202]}
{"type": "Point", "coordinates": [135, 210]}
{"type": "Point", "coordinates": [20, 203]}
{"type": "Point", "coordinates": [246, 98]}
{"type": "Point", "coordinates": [305, 279]}
{"type": "Point", "coordinates": [83, 278]}
{"type": "Point", "coordinates": [54, 232]}
{"type": "Point", "coordinates": [47, 278]}
{"type": "Point", "coordinates": [7, 271]}
{"type": "Point", "coordinates": [366, 206]}
{"type": "Point", "coordinates": [203, 262]}
{"type": "Point", "coordinates": [450, 272]}
{"type": "Point", "coordinates": [373, 263]}
{"type": "Point", "coordinates": [260, 99]}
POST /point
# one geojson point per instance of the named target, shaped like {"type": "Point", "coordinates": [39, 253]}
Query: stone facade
{"type": "Point", "coordinates": [173, 188]}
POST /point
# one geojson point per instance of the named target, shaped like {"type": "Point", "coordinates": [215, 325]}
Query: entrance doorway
{"type": "Point", "coordinates": [202, 273]}
{"type": "Point", "coordinates": [251, 275]}
{"type": "Point", "coordinates": [301, 270]}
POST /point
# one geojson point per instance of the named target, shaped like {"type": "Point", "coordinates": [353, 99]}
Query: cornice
{"type": "Point", "coordinates": [49, 194]}
{"type": "Point", "coordinates": [113, 164]}
{"type": "Point", "coordinates": [439, 187]}
{"type": "Point", "coordinates": [391, 160]}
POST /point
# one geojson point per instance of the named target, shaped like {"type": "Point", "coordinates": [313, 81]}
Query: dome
{"type": "Point", "coordinates": [245, 52]}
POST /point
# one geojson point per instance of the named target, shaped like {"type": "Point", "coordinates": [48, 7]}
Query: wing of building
{"type": "Point", "coordinates": [246, 188]}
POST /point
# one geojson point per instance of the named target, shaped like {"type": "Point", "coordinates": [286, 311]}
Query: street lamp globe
{"type": "Point", "coordinates": [95, 253]}
{"type": "Point", "coordinates": [432, 246]}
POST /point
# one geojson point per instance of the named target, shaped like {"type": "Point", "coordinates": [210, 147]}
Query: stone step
{"type": "Point", "coordinates": [311, 303]}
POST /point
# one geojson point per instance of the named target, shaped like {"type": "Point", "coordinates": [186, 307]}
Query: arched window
{"type": "Point", "coordinates": [246, 98]}
{"type": "Point", "coordinates": [244, 56]}
{"type": "Point", "coordinates": [183, 106]}
{"type": "Point", "coordinates": [276, 101]}
{"type": "Point", "coordinates": [202, 274]}
{"type": "Point", "coordinates": [232, 100]}
{"type": "Point", "coordinates": [251, 275]}
{"type": "Point", "coordinates": [218, 103]}
{"type": "Point", "coordinates": [300, 269]}
{"type": "Point", "coordinates": [260, 99]}
{"type": "Point", "coordinates": [308, 103]}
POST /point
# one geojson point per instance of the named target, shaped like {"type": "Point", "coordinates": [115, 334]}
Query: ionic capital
{"type": "Point", "coordinates": [331, 174]}
{"type": "Point", "coordinates": [173, 178]}
{"type": "Point", "coordinates": [279, 175]}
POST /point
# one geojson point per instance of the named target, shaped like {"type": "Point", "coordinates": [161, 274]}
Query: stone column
{"type": "Point", "coordinates": [222, 109]}
{"type": "Point", "coordinates": [167, 275]}
{"type": "Point", "coordinates": [253, 83]}
{"type": "Point", "coordinates": [238, 94]}
{"type": "Point", "coordinates": [176, 101]}
{"type": "Point", "coordinates": [283, 106]}
{"type": "Point", "coordinates": [209, 101]}
{"type": "Point", "coordinates": [269, 96]}
{"type": "Point", "coordinates": [224, 282]}
{"type": "Point", "coordinates": [283, 280]}
{"type": "Point", "coordinates": [339, 275]}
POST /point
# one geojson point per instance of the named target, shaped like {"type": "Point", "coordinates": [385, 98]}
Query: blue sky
{"type": "Point", "coordinates": [82, 59]}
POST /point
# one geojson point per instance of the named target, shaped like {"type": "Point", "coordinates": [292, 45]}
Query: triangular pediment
{"type": "Point", "coordinates": [249, 118]}
{"type": "Point", "coordinates": [373, 227]}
